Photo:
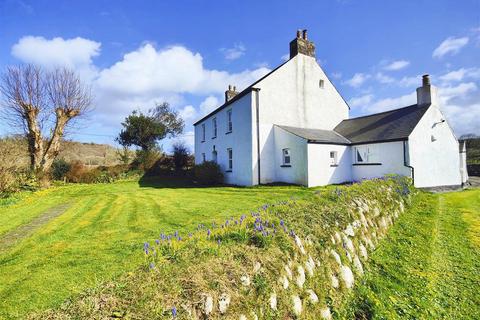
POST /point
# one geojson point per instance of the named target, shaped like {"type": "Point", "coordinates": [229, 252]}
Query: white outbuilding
{"type": "Point", "coordinates": [293, 126]}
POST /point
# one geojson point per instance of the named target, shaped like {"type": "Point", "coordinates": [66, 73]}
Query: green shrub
{"type": "Point", "coordinates": [60, 168]}
{"type": "Point", "coordinates": [208, 173]}
{"type": "Point", "coordinates": [181, 156]}
{"type": "Point", "coordinates": [8, 183]}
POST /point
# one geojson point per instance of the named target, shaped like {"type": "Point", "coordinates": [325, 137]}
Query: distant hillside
{"type": "Point", "coordinates": [14, 152]}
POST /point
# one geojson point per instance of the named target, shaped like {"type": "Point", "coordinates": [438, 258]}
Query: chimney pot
{"type": "Point", "coordinates": [230, 93]}
{"type": "Point", "coordinates": [302, 45]}
{"type": "Point", "coordinates": [425, 80]}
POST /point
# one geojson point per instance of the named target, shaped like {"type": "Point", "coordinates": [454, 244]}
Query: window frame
{"type": "Point", "coordinates": [229, 121]}
{"type": "Point", "coordinates": [286, 154]}
{"type": "Point", "coordinates": [367, 154]}
{"type": "Point", "coordinates": [203, 132]}
{"type": "Point", "coordinates": [214, 127]}
{"type": "Point", "coordinates": [334, 159]}
{"type": "Point", "coordinates": [204, 157]}
{"type": "Point", "coordinates": [321, 84]}
{"type": "Point", "coordinates": [229, 159]}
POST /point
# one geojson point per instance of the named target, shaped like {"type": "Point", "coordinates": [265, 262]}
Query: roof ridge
{"type": "Point", "coordinates": [378, 113]}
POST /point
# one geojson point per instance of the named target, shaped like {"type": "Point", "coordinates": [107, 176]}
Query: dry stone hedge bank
{"type": "Point", "coordinates": [292, 260]}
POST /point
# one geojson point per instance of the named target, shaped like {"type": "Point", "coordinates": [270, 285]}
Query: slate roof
{"type": "Point", "coordinates": [317, 135]}
{"type": "Point", "coordinates": [393, 125]}
{"type": "Point", "coordinates": [390, 125]}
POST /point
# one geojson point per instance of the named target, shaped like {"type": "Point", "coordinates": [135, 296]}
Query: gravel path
{"type": "Point", "coordinates": [11, 238]}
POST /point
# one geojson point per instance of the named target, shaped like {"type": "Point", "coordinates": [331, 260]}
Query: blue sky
{"type": "Point", "coordinates": [134, 53]}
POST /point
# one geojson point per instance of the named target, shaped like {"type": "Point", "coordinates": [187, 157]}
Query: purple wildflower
{"type": "Point", "coordinates": [174, 312]}
{"type": "Point", "coordinates": [209, 232]}
{"type": "Point", "coordinates": [152, 265]}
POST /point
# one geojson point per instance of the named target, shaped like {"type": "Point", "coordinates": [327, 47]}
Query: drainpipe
{"type": "Point", "coordinates": [405, 161]}
{"type": "Point", "coordinates": [257, 116]}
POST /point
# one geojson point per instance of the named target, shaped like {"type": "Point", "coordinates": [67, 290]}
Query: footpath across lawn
{"type": "Point", "coordinates": [100, 233]}
{"type": "Point", "coordinates": [428, 266]}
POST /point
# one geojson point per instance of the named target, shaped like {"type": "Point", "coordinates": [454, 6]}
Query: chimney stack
{"type": "Point", "coordinates": [301, 45]}
{"type": "Point", "coordinates": [427, 94]}
{"type": "Point", "coordinates": [230, 93]}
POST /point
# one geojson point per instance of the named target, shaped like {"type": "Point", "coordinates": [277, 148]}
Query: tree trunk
{"type": "Point", "coordinates": [53, 147]}
{"type": "Point", "coordinates": [34, 137]}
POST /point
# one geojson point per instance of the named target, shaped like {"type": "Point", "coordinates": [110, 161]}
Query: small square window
{"type": "Point", "coordinates": [321, 84]}
{"type": "Point", "coordinates": [333, 158]}
{"type": "Point", "coordinates": [286, 156]}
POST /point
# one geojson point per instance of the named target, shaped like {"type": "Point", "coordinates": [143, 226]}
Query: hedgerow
{"type": "Point", "coordinates": [287, 260]}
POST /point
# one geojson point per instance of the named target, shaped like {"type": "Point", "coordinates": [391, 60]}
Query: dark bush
{"type": "Point", "coordinates": [208, 173]}
{"type": "Point", "coordinates": [79, 173]}
{"type": "Point", "coordinates": [181, 155]}
{"type": "Point", "coordinates": [146, 160]}
{"type": "Point", "coordinates": [60, 168]}
{"type": "Point", "coordinates": [76, 172]}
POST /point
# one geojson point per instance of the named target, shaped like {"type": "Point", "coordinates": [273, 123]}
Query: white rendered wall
{"type": "Point", "coordinates": [297, 172]}
{"type": "Point", "coordinates": [292, 96]}
{"type": "Point", "coordinates": [391, 159]}
{"type": "Point", "coordinates": [320, 171]}
{"type": "Point", "coordinates": [436, 163]}
{"type": "Point", "coordinates": [240, 140]}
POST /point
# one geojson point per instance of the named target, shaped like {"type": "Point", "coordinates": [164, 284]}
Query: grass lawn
{"type": "Point", "coordinates": [100, 233]}
{"type": "Point", "coordinates": [428, 267]}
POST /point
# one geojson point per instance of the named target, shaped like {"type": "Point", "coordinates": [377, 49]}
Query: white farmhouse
{"type": "Point", "coordinates": [293, 126]}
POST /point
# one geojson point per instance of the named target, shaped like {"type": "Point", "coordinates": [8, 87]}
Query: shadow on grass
{"type": "Point", "coordinates": [168, 180]}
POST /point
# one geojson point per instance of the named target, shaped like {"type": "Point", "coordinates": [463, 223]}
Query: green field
{"type": "Point", "coordinates": [428, 267]}
{"type": "Point", "coordinates": [58, 242]}
{"type": "Point", "coordinates": [91, 233]}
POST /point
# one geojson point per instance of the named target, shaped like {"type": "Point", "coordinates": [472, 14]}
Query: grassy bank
{"type": "Point", "coordinates": [428, 268]}
{"type": "Point", "coordinates": [101, 232]}
{"type": "Point", "coordinates": [293, 259]}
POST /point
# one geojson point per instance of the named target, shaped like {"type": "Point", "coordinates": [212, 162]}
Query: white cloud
{"type": "Point", "coordinates": [460, 74]}
{"type": "Point", "coordinates": [285, 57]}
{"type": "Point", "coordinates": [397, 65]}
{"type": "Point", "coordinates": [357, 80]}
{"type": "Point", "coordinates": [360, 101]}
{"type": "Point", "coordinates": [392, 103]}
{"type": "Point", "coordinates": [140, 79]}
{"type": "Point", "coordinates": [451, 46]}
{"type": "Point", "coordinates": [459, 103]}
{"type": "Point", "coordinates": [208, 105]}
{"type": "Point", "coordinates": [188, 113]}
{"type": "Point", "coordinates": [74, 53]}
{"type": "Point", "coordinates": [234, 53]}
{"type": "Point", "coordinates": [382, 78]}
{"type": "Point", "coordinates": [460, 91]}
{"type": "Point", "coordinates": [414, 81]}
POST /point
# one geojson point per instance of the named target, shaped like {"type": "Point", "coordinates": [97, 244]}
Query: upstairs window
{"type": "Point", "coordinates": [203, 132]}
{"type": "Point", "coordinates": [286, 157]}
{"type": "Point", "coordinates": [321, 84]}
{"type": "Point", "coordinates": [229, 121]}
{"type": "Point", "coordinates": [333, 158]}
{"type": "Point", "coordinates": [214, 126]}
{"type": "Point", "coordinates": [230, 159]}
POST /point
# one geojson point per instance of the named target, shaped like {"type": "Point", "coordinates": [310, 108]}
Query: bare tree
{"type": "Point", "coordinates": [43, 104]}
